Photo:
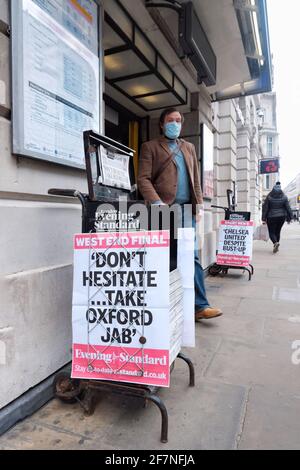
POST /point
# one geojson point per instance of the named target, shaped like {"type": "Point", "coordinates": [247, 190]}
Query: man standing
{"type": "Point", "coordinates": [168, 174]}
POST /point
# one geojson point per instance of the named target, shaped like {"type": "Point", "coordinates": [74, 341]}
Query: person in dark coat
{"type": "Point", "coordinates": [276, 210]}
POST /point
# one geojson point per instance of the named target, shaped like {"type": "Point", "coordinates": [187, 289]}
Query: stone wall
{"type": "Point", "coordinates": [36, 253]}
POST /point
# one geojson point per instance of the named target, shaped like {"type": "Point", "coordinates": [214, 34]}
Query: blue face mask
{"type": "Point", "coordinates": [172, 129]}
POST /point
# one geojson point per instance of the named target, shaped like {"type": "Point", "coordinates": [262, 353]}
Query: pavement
{"type": "Point", "coordinates": [247, 393]}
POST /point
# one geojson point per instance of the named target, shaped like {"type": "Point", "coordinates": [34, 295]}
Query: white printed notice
{"type": "Point", "coordinates": [186, 266]}
{"type": "Point", "coordinates": [60, 78]}
{"type": "Point", "coordinates": [121, 318]}
{"type": "Point", "coordinates": [235, 243]}
{"type": "Point", "coordinates": [115, 169]}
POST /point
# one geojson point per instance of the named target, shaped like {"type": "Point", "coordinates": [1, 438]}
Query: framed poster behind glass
{"type": "Point", "coordinates": [56, 78]}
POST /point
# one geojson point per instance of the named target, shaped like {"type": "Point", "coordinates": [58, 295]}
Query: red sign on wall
{"type": "Point", "coordinates": [269, 166]}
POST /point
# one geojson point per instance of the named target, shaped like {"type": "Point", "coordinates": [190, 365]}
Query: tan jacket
{"type": "Point", "coordinates": [157, 180]}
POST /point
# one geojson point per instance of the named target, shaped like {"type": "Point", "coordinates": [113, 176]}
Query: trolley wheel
{"type": "Point", "coordinates": [65, 388]}
{"type": "Point", "coordinates": [224, 272]}
{"type": "Point", "coordinates": [214, 270]}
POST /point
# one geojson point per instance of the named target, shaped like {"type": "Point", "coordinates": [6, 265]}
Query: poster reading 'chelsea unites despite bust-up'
{"type": "Point", "coordinates": [235, 243]}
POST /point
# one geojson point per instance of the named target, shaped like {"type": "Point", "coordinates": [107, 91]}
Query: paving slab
{"type": "Point", "coordinates": [287, 274]}
{"type": "Point", "coordinates": [264, 364]}
{"type": "Point", "coordinates": [38, 436]}
{"type": "Point", "coordinates": [203, 408]}
{"type": "Point", "coordinates": [272, 421]}
{"type": "Point", "coordinates": [248, 328]}
{"type": "Point", "coordinates": [268, 308]}
{"type": "Point", "coordinates": [282, 331]}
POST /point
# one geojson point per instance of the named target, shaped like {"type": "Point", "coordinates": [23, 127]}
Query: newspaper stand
{"type": "Point", "coordinates": [231, 214]}
{"type": "Point", "coordinates": [84, 390]}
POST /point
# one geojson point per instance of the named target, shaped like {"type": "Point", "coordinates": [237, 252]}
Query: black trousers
{"type": "Point", "coordinates": [275, 225]}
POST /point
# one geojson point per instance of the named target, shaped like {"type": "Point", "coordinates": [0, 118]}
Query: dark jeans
{"type": "Point", "coordinates": [201, 301]}
{"type": "Point", "coordinates": [275, 225]}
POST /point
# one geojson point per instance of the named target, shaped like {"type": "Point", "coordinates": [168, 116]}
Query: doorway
{"type": "Point", "coordinates": [123, 126]}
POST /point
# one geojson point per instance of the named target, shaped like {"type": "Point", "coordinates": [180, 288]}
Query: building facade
{"type": "Point", "coordinates": [293, 193]}
{"type": "Point", "coordinates": [269, 138]}
{"type": "Point", "coordinates": [141, 70]}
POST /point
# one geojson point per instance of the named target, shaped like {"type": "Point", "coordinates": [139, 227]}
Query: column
{"type": "Point", "coordinates": [224, 154]}
{"type": "Point", "coordinates": [243, 155]}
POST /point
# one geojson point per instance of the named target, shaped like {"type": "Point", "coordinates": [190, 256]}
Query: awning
{"type": "Point", "coordinates": [253, 23]}
{"type": "Point", "coordinates": [237, 31]}
{"type": "Point", "coordinates": [134, 67]}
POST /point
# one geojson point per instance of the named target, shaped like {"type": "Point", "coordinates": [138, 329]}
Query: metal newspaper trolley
{"type": "Point", "coordinates": [110, 176]}
{"type": "Point", "coordinates": [233, 215]}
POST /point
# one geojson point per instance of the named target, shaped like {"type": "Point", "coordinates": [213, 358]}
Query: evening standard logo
{"type": "Point", "coordinates": [123, 357]}
{"type": "Point", "coordinates": [296, 354]}
{"type": "Point", "coordinates": [113, 219]}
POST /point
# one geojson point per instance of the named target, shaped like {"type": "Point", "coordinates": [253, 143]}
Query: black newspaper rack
{"type": "Point", "coordinates": [231, 214]}
{"type": "Point", "coordinates": [110, 175]}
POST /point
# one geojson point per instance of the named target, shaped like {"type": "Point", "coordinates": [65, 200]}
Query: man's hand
{"type": "Point", "coordinates": [158, 203]}
{"type": "Point", "coordinates": [264, 222]}
{"type": "Point", "coordinates": [198, 218]}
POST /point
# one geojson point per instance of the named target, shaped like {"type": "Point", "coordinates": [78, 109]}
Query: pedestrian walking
{"type": "Point", "coordinates": [276, 210]}
{"type": "Point", "coordinates": [169, 173]}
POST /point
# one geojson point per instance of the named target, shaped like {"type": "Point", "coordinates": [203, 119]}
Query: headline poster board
{"type": "Point", "coordinates": [121, 325]}
{"type": "Point", "coordinates": [235, 243]}
{"type": "Point", "coordinates": [56, 70]}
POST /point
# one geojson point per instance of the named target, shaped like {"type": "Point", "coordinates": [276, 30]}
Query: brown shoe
{"type": "Point", "coordinates": [207, 313]}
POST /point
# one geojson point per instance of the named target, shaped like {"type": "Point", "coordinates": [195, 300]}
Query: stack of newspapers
{"type": "Point", "coordinates": [176, 314]}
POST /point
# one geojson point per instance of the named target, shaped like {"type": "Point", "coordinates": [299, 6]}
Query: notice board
{"type": "Point", "coordinates": [56, 78]}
